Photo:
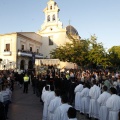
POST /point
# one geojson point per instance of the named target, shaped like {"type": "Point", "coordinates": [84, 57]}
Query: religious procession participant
{"type": "Point", "coordinates": [77, 91]}
{"type": "Point", "coordinates": [41, 84]}
{"type": "Point", "coordinates": [51, 95]}
{"type": "Point", "coordinates": [45, 107]}
{"type": "Point", "coordinates": [47, 84]}
{"type": "Point", "coordinates": [85, 99]}
{"type": "Point", "coordinates": [26, 82]}
{"type": "Point", "coordinates": [94, 106]}
{"type": "Point", "coordinates": [113, 105]}
{"type": "Point", "coordinates": [47, 100]}
{"type": "Point", "coordinates": [71, 93]}
{"type": "Point", "coordinates": [72, 113]}
{"type": "Point", "coordinates": [44, 94]}
{"type": "Point", "coordinates": [103, 112]}
{"type": "Point", "coordinates": [54, 104]}
{"type": "Point", "coordinates": [61, 111]}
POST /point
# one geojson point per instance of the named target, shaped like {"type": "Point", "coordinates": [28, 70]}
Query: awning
{"type": "Point", "coordinates": [50, 62]}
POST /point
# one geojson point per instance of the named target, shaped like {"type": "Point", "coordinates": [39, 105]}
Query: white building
{"type": "Point", "coordinates": [52, 29]}
{"type": "Point", "coordinates": [16, 49]}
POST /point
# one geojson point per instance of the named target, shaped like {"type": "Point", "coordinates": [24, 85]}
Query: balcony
{"type": "Point", "coordinates": [38, 55]}
{"type": "Point", "coordinates": [7, 53]}
{"type": "Point", "coordinates": [29, 54]}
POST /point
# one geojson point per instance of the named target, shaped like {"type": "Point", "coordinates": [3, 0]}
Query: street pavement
{"type": "Point", "coordinates": [27, 106]}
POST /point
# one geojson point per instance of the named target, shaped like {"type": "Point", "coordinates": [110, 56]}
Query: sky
{"type": "Point", "coordinates": [89, 17]}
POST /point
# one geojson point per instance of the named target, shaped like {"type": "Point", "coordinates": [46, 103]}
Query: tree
{"type": "Point", "coordinates": [114, 55]}
{"type": "Point", "coordinates": [83, 52]}
{"type": "Point", "coordinates": [75, 51]}
{"type": "Point", "coordinates": [97, 54]}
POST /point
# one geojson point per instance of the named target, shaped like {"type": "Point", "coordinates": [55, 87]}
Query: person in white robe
{"type": "Point", "coordinates": [113, 105]}
{"type": "Point", "coordinates": [103, 112]}
{"type": "Point", "coordinates": [47, 84]}
{"type": "Point", "coordinates": [72, 113]}
{"type": "Point", "coordinates": [77, 91]}
{"type": "Point", "coordinates": [61, 111]}
{"type": "Point", "coordinates": [44, 94]}
{"type": "Point", "coordinates": [51, 95]}
{"type": "Point", "coordinates": [48, 98]}
{"type": "Point", "coordinates": [94, 106]}
{"type": "Point", "coordinates": [54, 104]}
{"type": "Point", "coordinates": [44, 97]}
{"type": "Point", "coordinates": [85, 99]}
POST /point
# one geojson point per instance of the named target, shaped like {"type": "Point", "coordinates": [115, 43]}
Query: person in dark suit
{"type": "Point", "coordinates": [71, 91]}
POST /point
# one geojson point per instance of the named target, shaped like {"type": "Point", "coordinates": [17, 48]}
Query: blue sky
{"type": "Point", "coordinates": [99, 17]}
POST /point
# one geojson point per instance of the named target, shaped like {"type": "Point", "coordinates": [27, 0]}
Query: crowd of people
{"type": "Point", "coordinates": [6, 88]}
{"type": "Point", "coordinates": [96, 94]}
{"type": "Point", "coordinates": [92, 93]}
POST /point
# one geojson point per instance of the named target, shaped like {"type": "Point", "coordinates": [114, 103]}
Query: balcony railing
{"type": "Point", "coordinates": [7, 53]}
{"type": "Point", "coordinates": [29, 54]}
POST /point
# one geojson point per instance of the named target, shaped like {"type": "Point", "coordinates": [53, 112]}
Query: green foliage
{"type": "Point", "coordinates": [83, 52]}
{"type": "Point", "coordinates": [114, 55]}
{"type": "Point", "coordinates": [97, 54]}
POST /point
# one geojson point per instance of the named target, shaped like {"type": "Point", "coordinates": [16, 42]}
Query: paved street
{"type": "Point", "coordinates": [27, 106]}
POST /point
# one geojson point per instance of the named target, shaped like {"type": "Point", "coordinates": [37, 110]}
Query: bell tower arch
{"type": "Point", "coordinates": [51, 15]}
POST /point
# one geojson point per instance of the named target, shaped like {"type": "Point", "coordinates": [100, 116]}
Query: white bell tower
{"type": "Point", "coordinates": [51, 16]}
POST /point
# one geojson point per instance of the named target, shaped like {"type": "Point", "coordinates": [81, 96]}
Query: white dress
{"type": "Point", "coordinates": [113, 105]}
{"type": "Point", "coordinates": [45, 107]}
{"type": "Point", "coordinates": [94, 106]}
{"type": "Point", "coordinates": [54, 104]}
{"type": "Point", "coordinates": [103, 112]}
{"type": "Point", "coordinates": [85, 100]}
{"type": "Point", "coordinates": [77, 91]}
{"type": "Point", "coordinates": [61, 112]}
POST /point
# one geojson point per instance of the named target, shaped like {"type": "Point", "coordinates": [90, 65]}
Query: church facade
{"type": "Point", "coordinates": [17, 49]}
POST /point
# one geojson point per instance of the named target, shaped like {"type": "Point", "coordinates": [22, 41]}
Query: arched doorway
{"type": "Point", "coordinates": [22, 64]}
{"type": "Point", "coordinates": [30, 64]}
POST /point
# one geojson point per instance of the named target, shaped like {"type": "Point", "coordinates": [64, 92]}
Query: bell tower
{"type": "Point", "coordinates": [51, 16]}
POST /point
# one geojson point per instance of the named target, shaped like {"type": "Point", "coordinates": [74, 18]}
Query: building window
{"type": "Point", "coordinates": [50, 40]}
{"type": "Point", "coordinates": [53, 18]}
{"type": "Point", "coordinates": [7, 47]}
{"type": "Point", "coordinates": [22, 47]}
{"type": "Point", "coordinates": [37, 50]}
{"type": "Point", "coordinates": [30, 49]}
{"type": "Point", "coordinates": [48, 18]}
{"type": "Point", "coordinates": [51, 7]}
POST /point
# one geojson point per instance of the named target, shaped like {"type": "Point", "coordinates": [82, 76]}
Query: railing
{"type": "Point", "coordinates": [7, 53]}
{"type": "Point", "coordinates": [29, 54]}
